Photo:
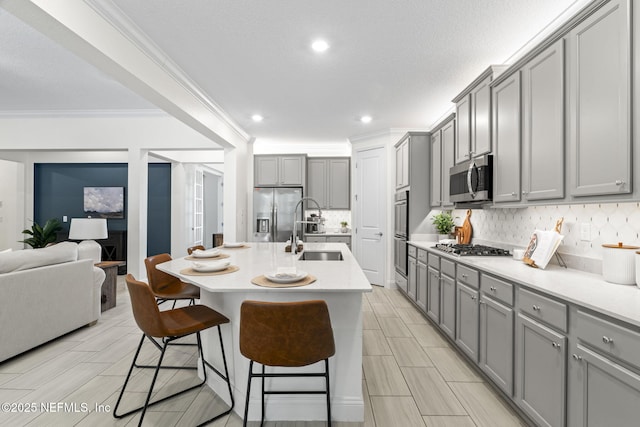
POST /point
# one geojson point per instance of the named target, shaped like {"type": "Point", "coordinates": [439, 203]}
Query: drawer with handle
{"type": "Point", "coordinates": [544, 309]}
{"type": "Point", "coordinates": [468, 276]}
{"type": "Point", "coordinates": [448, 268]}
{"type": "Point", "coordinates": [412, 251]}
{"type": "Point", "coordinates": [609, 337]}
{"type": "Point", "coordinates": [422, 256]}
{"type": "Point", "coordinates": [497, 289]}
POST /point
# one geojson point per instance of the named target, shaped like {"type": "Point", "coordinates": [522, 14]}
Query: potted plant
{"type": "Point", "coordinates": [42, 236]}
{"type": "Point", "coordinates": [343, 225]}
{"type": "Point", "coordinates": [444, 223]}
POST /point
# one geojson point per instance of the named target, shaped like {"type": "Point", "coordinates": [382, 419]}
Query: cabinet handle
{"type": "Point", "coordinates": [473, 297]}
{"type": "Point", "coordinates": [620, 182]}
{"type": "Point", "coordinates": [607, 340]}
{"type": "Point", "coordinates": [481, 302]}
{"type": "Point", "coordinates": [576, 357]}
{"type": "Point", "coordinates": [514, 194]}
{"type": "Point", "coordinates": [464, 276]}
{"type": "Point", "coordinates": [493, 288]}
{"type": "Point", "coordinates": [524, 193]}
{"type": "Point", "coordinates": [536, 307]}
{"type": "Point", "coordinates": [555, 344]}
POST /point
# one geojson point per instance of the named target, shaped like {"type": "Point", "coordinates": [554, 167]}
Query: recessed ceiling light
{"type": "Point", "coordinates": [365, 119]}
{"type": "Point", "coordinates": [257, 118]}
{"type": "Point", "coordinates": [320, 45]}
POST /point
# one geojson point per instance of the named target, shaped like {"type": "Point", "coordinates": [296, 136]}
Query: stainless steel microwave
{"type": "Point", "coordinates": [472, 181]}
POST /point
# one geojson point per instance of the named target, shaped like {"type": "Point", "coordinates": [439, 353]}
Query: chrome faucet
{"type": "Point", "coordinates": [294, 244]}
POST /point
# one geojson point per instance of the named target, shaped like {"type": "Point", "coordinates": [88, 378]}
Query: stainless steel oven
{"type": "Point", "coordinates": [401, 231]}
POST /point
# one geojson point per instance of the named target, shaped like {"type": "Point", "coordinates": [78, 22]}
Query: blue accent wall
{"type": "Point", "coordinates": [59, 190]}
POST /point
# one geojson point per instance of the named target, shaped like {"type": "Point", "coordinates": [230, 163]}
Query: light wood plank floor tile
{"type": "Point", "coordinates": [431, 393]}
{"type": "Point", "coordinates": [449, 421]}
{"type": "Point", "coordinates": [378, 295]}
{"type": "Point", "coordinates": [410, 315]}
{"type": "Point", "coordinates": [384, 309]}
{"type": "Point", "coordinates": [36, 357]}
{"type": "Point", "coordinates": [368, 411]}
{"type": "Point", "coordinates": [394, 327]}
{"type": "Point", "coordinates": [391, 411]}
{"type": "Point", "coordinates": [427, 336]}
{"type": "Point", "coordinates": [408, 352]}
{"type": "Point", "coordinates": [374, 343]}
{"type": "Point", "coordinates": [369, 320]}
{"type": "Point", "coordinates": [398, 300]}
{"type": "Point", "coordinates": [484, 406]}
{"type": "Point", "coordinates": [451, 365]}
{"type": "Point", "coordinates": [384, 377]}
{"type": "Point", "coordinates": [44, 373]}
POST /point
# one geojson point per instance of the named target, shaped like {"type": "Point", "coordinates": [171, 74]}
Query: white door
{"type": "Point", "coordinates": [370, 213]}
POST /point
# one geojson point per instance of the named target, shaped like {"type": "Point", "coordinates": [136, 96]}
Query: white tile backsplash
{"type": "Point", "coordinates": [609, 223]}
{"type": "Point", "coordinates": [332, 218]}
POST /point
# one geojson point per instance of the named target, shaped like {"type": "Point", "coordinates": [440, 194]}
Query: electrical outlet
{"type": "Point", "coordinates": [64, 218]}
{"type": "Point", "coordinates": [585, 232]}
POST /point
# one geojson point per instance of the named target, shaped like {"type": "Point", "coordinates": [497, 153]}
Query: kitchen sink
{"type": "Point", "coordinates": [321, 256]}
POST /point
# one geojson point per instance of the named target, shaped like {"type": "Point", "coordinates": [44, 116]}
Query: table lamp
{"type": "Point", "coordinates": [88, 229]}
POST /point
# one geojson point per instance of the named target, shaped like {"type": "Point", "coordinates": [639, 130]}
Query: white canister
{"type": "Point", "coordinates": [619, 263]}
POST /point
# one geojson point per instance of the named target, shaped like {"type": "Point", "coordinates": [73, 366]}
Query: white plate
{"type": "Point", "coordinates": [206, 267]}
{"type": "Point", "coordinates": [198, 253]}
{"type": "Point", "coordinates": [285, 278]}
{"type": "Point", "coordinates": [233, 244]}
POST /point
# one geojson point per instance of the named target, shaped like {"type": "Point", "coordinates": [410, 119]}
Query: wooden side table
{"type": "Point", "coordinates": [108, 298]}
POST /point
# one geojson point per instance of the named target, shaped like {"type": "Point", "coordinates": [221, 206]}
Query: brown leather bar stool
{"type": "Point", "coordinates": [195, 248]}
{"type": "Point", "coordinates": [288, 334]}
{"type": "Point", "coordinates": [164, 327]}
{"type": "Point", "coordinates": [166, 287]}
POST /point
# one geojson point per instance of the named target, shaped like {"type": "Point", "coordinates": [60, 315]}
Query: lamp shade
{"type": "Point", "coordinates": [88, 229]}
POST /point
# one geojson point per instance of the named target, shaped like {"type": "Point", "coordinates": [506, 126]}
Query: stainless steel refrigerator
{"type": "Point", "coordinates": [273, 213]}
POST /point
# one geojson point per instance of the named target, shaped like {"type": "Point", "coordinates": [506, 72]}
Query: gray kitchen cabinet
{"type": "Point", "coordinates": [314, 238]}
{"type": "Point", "coordinates": [506, 139]}
{"type": "Point", "coordinates": [473, 117]}
{"type": "Point", "coordinates": [433, 293]}
{"type": "Point", "coordinates": [599, 70]}
{"type": "Point", "coordinates": [328, 182]}
{"type": "Point", "coordinates": [448, 132]}
{"type": "Point", "coordinates": [543, 125]}
{"type": "Point", "coordinates": [447, 297]}
{"type": "Point", "coordinates": [279, 171]}
{"type": "Point", "coordinates": [496, 342]}
{"type": "Point", "coordinates": [436, 169]}
{"type": "Point", "coordinates": [541, 377]}
{"type": "Point", "coordinates": [606, 393]}
{"type": "Point", "coordinates": [467, 312]}
{"type": "Point", "coordinates": [442, 159]}
{"type": "Point", "coordinates": [402, 164]}
{"type": "Point", "coordinates": [401, 282]}
{"type": "Point", "coordinates": [412, 278]}
{"type": "Point", "coordinates": [422, 291]}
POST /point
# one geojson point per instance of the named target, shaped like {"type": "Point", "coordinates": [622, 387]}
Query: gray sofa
{"type": "Point", "coordinates": [45, 293]}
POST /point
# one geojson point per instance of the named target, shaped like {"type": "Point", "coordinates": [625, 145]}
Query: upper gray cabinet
{"type": "Point", "coordinates": [599, 75]}
{"type": "Point", "coordinates": [543, 125]}
{"type": "Point", "coordinates": [279, 171]}
{"type": "Point", "coordinates": [328, 182]}
{"type": "Point", "coordinates": [506, 139]}
{"type": "Point", "coordinates": [443, 140]}
{"type": "Point", "coordinates": [473, 114]}
{"type": "Point", "coordinates": [402, 164]}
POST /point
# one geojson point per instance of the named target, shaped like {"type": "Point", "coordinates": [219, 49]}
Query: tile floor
{"type": "Point", "coordinates": [412, 377]}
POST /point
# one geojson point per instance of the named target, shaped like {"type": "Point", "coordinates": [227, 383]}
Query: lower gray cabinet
{"type": "Point", "coordinates": [412, 274]}
{"type": "Point", "coordinates": [604, 392]}
{"type": "Point", "coordinates": [433, 294]}
{"type": "Point", "coordinates": [467, 320]}
{"type": "Point", "coordinates": [496, 343]}
{"type": "Point", "coordinates": [541, 375]}
{"type": "Point", "coordinates": [422, 292]}
{"type": "Point", "coordinates": [448, 305]}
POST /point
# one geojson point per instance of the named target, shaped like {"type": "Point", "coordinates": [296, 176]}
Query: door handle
{"type": "Point", "coordinates": [379, 234]}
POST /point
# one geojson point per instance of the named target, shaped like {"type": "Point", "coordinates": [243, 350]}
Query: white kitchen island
{"type": "Point", "coordinates": [339, 283]}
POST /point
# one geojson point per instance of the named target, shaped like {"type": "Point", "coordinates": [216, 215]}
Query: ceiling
{"type": "Point", "coordinates": [399, 61]}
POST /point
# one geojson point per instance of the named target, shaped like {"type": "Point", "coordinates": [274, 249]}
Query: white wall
{"type": "Point", "coordinates": [10, 205]}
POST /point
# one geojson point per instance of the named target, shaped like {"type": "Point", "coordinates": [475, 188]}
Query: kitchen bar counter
{"type": "Point", "coordinates": [588, 290]}
{"type": "Point", "coordinates": [339, 283]}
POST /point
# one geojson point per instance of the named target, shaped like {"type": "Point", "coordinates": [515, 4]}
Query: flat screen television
{"type": "Point", "coordinates": [104, 202]}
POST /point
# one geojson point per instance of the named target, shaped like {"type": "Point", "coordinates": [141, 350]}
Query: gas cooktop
{"type": "Point", "coordinates": [471, 250]}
